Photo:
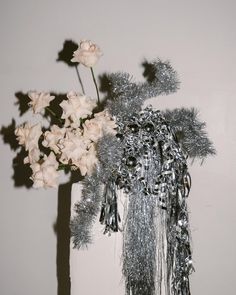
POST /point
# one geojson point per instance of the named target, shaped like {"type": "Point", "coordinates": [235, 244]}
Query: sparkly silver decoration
{"type": "Point", "coordinates": [109, 212]}
{"type": "Point", "coordinates": [147, 160]}
{"type": "Point", "coordinates": [153, 173]}
{"type": "Point", "coordinates": [190, 132]}
{"type": "Point", "coordinates": [86, 211]}
{"type": "Point", "coordinates": [127, 97]}
{"type": "Point", "coordinates": [110, 151]}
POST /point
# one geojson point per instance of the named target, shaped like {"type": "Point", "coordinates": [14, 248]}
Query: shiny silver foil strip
{"type": "Point", "coordinates": [139, 245]}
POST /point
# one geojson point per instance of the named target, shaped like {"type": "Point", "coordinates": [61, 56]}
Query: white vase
{"type": "Point", "coordinates": [97, 269]}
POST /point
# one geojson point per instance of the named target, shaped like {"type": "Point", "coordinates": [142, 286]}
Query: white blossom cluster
{"type": "Point", "coordinates": [71, 143]}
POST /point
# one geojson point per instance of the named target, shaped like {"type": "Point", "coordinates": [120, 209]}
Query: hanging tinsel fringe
{"type": "Point", "coordinates": [153, 174]}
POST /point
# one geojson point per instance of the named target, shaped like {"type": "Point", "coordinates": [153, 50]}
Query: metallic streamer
{"type": "Point", "coordinates": [109, 151]}
{"type": "Point", "coordinates": [164, 81]}
{"type": "Point", "coordinates": [109, 211]}
{"type": "Point", "coordinates": [191, 132]}
{"type": "Point", "coordinates": [126, 97]}
{"type": "Point", "coordinates": [153, 173]}
{"type": "Point", "coordinates": [147, 160]}
{"type": "Point", "coordinates": [139, 245]}
{"type": "Point", "coordinates": [86, 211]}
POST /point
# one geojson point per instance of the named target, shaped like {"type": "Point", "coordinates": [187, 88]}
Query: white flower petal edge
{"type": "Point", "coordinates": [72, 147]}
{"type": "Point", "coordinates": [76, 107]}
{"type": "Point", "coordinates": [87, 54]}
{"type": "Point", "coordinates": [101, 124]}
{"type": "Point", "coordinates": [39, 100]}
{"type": "Point", "coordinates": [45, 174]}
{"type": "Point", "coordinates": [28, 135]}
{"type": "Point", "coordinates": [88, 161]}
{"type": "Point", "coordinates": [53, 137]}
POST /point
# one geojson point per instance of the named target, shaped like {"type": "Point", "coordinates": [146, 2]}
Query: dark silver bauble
{"type": "Point", "coordinates": [149, 127]}
{"type": "Point", "coordinates": [131, 161]}
{"type": "Point", "coordinates": [133, 128]}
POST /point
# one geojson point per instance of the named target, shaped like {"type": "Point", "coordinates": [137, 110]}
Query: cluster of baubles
{"type": "Point", "coordinates": [150, 148]}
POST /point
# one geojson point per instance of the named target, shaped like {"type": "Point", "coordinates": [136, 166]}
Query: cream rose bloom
{"type": "Point", "coordinates": [92, 130]}
{"type": "Point", "coordinates": [72, 147]}
{"type": "Point", "coordinates": [76, 107]}
{"type": "Point", "coordinates": [33, 156]}
{"type": "Point", "coordinates": [22, 133]}
{"type": "Point", "coordinates": [87, 53]}
{"type": "Point", "coordinates": [88, 161]}
{"type": "Point", "coordinates": [28, 135]}
{"type": "Point", "coordinates": [101, 124]}
{"type": "Point", "coordinates": [39, 100]}
{"type": "Point", "coordinates": [45, 174]}
{"type": "Point", "coordinates": [108, 125]}
{"type": "Point", "coordinates": [53, 137]}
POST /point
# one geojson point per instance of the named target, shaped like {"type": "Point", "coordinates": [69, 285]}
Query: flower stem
{"type": "Point", "coordinates": [94, 80]}
{"type": "Point", "coordinates": [54, 114]}
{"type": "Point", "coordinates": [63, 166]}
{"type": "Point", "coordinates": [79, 78]}
{"type": "Point", "coordinates": [51, 111]}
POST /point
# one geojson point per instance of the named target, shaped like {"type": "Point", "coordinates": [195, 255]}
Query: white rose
{"type": "Point", "coordinates": [101, 124]}
{"type": "Point", "coordinates": [87, 53]}
{"type": "Point", "coordinates": [108, 125]}
{"type": "Point", "coordinates": [45, 174]}
{"type": "Point", "coordinates": [93, 129]}
{"type": "Point", "coordinates": [72, 147]}
{"type": "Point", "coordinates": [22, 133]}
{"type": "Point", "coordinates": [28, 135]}
{"type": "Point", "coordinates": [39, 100]}
{"type": "Point", "coordinates": [52, 138]}
{"type": "Point", "coordinates": [33, 156]}
{"type": "Point", "coordinates": [76, 107]}
{"type": "Point", "coordinates": [88, 161]}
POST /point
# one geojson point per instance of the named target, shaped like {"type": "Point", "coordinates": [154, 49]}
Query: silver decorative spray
{"type": "Point", "coordinates": [147, 159]}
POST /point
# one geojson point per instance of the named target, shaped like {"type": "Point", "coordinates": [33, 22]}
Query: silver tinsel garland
{"type": "Point", "coordinates": [147, 160]}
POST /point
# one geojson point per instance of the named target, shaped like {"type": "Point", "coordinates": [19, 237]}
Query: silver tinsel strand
{"type": "Point", "coordinates": [86, 211]}
{"type": "Point", "coordinates": [147, 160]}
{"type": "Point", "coordinates": [110, 152]}
{"type": "Point", "coordinates": [127, 97]}
{"type": "Point", "coordinates": [153, 173]}
{"type": "Point", "coordinates": [190, 132]}
{"type": "Point", "coordinates": [139, 245]}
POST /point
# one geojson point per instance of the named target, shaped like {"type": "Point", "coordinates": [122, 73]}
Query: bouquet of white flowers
{"type": "Point", "coordinates": [71, 143]}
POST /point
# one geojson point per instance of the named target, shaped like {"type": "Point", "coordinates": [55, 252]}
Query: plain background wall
{"type": "Point", "coordinates": [199, 39]}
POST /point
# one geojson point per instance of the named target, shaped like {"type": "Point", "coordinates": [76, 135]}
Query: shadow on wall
{"type": "Point", "coordinates": [62, 231]}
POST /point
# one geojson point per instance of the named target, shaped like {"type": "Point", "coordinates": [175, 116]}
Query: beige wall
{"type": "Point", "coordinates": [199, 38]}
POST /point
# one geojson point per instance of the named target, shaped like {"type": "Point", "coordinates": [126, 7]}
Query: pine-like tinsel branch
{"type": "Point", "coordinates": [191, 132]}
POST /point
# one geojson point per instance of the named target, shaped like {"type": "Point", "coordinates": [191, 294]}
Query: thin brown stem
{"type": "Point", "coordinates": [79, 78]}
{"type": "Point", "coordinates": [94, 80]}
